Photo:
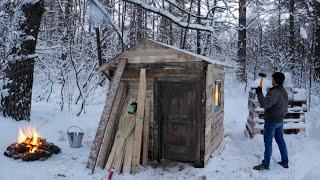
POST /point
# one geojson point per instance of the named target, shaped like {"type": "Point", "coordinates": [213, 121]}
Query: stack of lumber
{"type": "Point", "coordinates": [294, 121]}
{"type": "Point", "coordinates": [124, 146]}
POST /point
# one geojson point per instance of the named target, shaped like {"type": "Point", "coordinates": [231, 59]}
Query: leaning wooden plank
{"type": "Point", "coordinates": [139, 122]}
{"type": "Point", "coordinates": [115, 145]}
{"type": "Point", "coordinates": [118, 161]}
{"type": "Point", "coordinates": [126, 125]}
{"type": "Point", "coordinates": [112, 155]}
{"type": "Point", "coordinates": [105, 116]}
{"type": "Point", "coordinates": [109, 135]}
{"type": "Point", "coordinates": [128, 154]}
{"type": "Point", "coordinates": [145, 134]}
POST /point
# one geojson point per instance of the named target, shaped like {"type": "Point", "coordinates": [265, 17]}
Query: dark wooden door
{"type": "Point", "coordinates": [179, 113]}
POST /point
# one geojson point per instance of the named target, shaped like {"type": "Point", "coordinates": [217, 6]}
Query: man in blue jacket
{"type": "Point", "coordinates": [275, 104]}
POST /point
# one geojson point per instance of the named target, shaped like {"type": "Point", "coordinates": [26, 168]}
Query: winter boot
{"type": "Point", "coordinates": [261, 167]}
{"type": "Point", "coordinates": [283, 164]}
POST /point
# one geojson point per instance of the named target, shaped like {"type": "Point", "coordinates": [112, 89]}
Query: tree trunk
{"type": "Point", "coordinates": [19, 73]}
{"type": "Point", "coordinates": [317, 40]}
{"type": "Point", "coordinates": [242, 35]}
{"type": "Point", "coordinates": [291, 31]}
{"type": "Point", "coordinates": [198, 32]}
{"type": "Point", "coordinates": [100, 60]}
{"type": "Point", "coordinates": [140, 28]}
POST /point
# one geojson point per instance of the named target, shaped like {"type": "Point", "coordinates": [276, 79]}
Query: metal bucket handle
{"type": "Point", "coordinates": [75, 127]}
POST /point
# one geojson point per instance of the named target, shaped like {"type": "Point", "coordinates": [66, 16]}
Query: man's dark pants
{"type": "Point", "coordinates": [274, 130]}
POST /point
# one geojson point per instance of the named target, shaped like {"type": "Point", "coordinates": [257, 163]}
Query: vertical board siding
{"type": "Point", "coordinates": [209, 113]}
{"type": "Point", "coordinates": [217, 130]}
{"type": "Point", "coordinates": [131, 77]}
{"type": "Point", "coordinates": [214, 117]}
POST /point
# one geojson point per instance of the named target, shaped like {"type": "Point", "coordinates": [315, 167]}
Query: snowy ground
{"type": "Point", "coordinates": [234, 159]}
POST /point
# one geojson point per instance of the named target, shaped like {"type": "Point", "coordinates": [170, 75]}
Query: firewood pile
{"type": "Point", "coordinates": [294, 121]}
{"type": "Point", "coordinates": [24, 151]}
{"type": "Point", "coordinates": [31, 147]}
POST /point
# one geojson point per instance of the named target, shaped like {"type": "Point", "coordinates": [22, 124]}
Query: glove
{"type": "Point", "coordinates": [259, 90]}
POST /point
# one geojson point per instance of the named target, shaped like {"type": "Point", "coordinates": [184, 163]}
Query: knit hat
{"type": "Point", "coordinates": [278, 78]}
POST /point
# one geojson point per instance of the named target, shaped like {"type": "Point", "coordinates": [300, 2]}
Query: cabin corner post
{"type": "Point", "coordinates": [209, 108]}
{"type": "Point", "coordinates": [200, 162]}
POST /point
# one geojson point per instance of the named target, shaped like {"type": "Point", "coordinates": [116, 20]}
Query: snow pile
{"type": "Point", "coordinates": [299, 94]}
{"type": "Point", "coordinates": [259, 109]}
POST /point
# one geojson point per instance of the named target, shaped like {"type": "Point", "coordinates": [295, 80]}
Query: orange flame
{"type": "Point", "coordinates": [29, 136]}
{"type": "Point", "coordinates": [21, 136]}
{"type": "Point", "coordinates": [35, 137]}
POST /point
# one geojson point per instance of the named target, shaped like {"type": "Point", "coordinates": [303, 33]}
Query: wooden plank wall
{"type": "Point", "coordinates": [214, 116]}
{"type": "Point", "coordinates": [131, 77]}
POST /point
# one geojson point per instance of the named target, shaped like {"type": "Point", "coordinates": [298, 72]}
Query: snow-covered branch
{"type": "Point", "coordinates": [107, 15]}
{"type": "Point", "coordinates": [171, 17]}
{"type": "Point", "coordinates": [173, 3]}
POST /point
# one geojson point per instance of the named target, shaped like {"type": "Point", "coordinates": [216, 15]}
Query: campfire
{"type": "Point", "coordinates": [30, 146]}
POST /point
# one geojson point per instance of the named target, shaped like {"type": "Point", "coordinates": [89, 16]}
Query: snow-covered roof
{"type": "Point", "coordinates": [203, 58]}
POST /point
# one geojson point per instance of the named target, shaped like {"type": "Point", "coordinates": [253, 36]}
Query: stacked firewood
{"type": "Point", "coordinates": [294, 121]}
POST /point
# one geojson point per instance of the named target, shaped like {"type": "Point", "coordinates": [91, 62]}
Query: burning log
{"type": "Point", "coordinates": [31, 147]}
{"type": "Point", "coordinates": [38, 155]}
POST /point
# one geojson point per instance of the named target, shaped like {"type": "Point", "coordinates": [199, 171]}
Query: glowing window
{"type": "Point", "coordinates": [217, 93]}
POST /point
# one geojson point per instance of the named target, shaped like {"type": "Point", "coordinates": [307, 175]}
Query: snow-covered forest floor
{"type": "Point", "coordinates": [233, 160]}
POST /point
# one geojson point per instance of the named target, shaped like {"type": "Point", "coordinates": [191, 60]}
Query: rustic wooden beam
{"type": "Point", "coordinates": [139, 122]}
{"type": "Point", "coordinates": [114, 156]}
{"type": "Point", "coordinates": [146, 135]}
{"type": "Point", "coordinates": [128, 154]}
{"type": "Point", "coordinates": [111, 127]}
{"type": "Point", "coordinates": [182, 65]}
{"type": "Point", "coordinates": [128, 146]}
{"type": "Point", "coordinates": [105, 116]}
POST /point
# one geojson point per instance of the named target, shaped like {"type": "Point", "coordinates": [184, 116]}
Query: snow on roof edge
{"type": "Point", "coordinates": [204, 58]}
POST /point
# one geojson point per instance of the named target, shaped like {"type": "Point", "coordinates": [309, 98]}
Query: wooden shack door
{"type": "Point", "coordinates": [179, 112]}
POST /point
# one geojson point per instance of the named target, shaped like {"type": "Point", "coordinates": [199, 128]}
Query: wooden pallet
{"type": "Point", "coordinates": [294, 121]}
{"type": "Point", "coordinates": [289, 128]}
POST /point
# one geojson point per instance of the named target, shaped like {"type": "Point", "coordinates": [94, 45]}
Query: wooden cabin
{"type": "Point", "coordinates": [180, 105]}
